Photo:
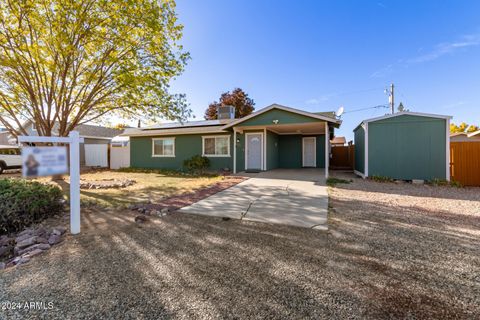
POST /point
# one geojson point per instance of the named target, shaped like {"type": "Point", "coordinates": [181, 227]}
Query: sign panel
{"type": "Point", "coordinates": [44, 161]}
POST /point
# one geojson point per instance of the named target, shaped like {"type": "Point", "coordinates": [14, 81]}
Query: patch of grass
{"type": "Point", "coordinates": [151, 185]}
{"type": "Point", "coordinates": [334, 181]}
{"type": "Point", "coordinates": [443, 182]}
{"type": "Point", "coordinates": [381, 179]}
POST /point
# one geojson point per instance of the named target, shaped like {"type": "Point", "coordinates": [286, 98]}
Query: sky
{"type": "Point", "coordinates": [320, 55]}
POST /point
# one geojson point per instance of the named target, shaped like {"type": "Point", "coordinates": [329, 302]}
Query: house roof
{"type": "Point", "coordinates": [188, 124]}
{"type": "Point", "coordinates": [319, 115]}
{"type": "Point", "coordinates": [137, 132]}
{"type": "Point", "coordinates": [338, 140]}
{"type": "Point", "coordinates": [99, 132]}
{"type": "Point", "coordinates": [403, 113]}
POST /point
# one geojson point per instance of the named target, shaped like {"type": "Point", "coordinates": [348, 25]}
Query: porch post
{"type": "Point", "coordinates": [234, 151]}
{"type": "Point", "coordinates": [327, 149]}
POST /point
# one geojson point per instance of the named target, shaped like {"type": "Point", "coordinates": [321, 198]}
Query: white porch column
{"type": "Point", "coordinates": [265, 149]}
{"type": "Point", "coordinates": [234, 150]}
{"type": "Point", "coordinates": [74, 182]}
{"type": "Point", "coordinates": [327, 149]}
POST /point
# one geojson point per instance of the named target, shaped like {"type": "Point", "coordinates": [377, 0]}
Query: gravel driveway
{"type": "Point", "coordinates": [392, 251]}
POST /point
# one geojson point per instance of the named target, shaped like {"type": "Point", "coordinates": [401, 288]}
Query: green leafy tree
{"type": "Point", "coordinates": [73, 61]}
{"type": "Point", "coordinates": [243, 104]}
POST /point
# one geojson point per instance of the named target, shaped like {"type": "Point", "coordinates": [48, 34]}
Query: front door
{"type": "Point", "coordinates": [309, 152]}
{"type": "Point", "coordinates": [254, 151]}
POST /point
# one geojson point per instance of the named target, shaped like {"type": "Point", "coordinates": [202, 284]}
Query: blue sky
{"type": "Point", "coordinates": [320, 55]}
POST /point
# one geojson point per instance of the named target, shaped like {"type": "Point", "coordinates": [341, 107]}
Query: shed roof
{"type": "Point", "coordinates": [403, 113]}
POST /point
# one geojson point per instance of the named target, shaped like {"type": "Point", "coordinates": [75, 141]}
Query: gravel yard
{"type": "Point", "coordinates": [392, 251]}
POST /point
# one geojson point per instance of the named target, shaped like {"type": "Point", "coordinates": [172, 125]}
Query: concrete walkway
{"type": "Point", "coordinates": [295, 197]}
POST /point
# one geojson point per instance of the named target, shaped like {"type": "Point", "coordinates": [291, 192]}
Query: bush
{"type": "Point", "coordinates": [23, 203]}
{"type": "Point", "coordinates": [381, 179]}
{"type": "Point", "coordinates": [197, 164]}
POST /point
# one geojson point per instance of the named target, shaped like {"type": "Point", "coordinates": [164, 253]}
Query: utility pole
{"type": "Point", "coordinates": [391, 99]}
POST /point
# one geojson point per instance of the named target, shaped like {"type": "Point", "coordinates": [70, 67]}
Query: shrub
{"type": "Point", "coordinates": [381, 179]}
{"type": "Point", "coordinates": [165, 172]}
{"type": "Point", "coordinates": [197, 164]}
{"type": "Point", "coordinates": [443, 182]}
{"type": "Point", "coordinates": [25, 202]}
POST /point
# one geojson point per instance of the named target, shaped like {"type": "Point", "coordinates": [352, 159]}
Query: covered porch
{"type": "Point", "coordinates": [282, 138]}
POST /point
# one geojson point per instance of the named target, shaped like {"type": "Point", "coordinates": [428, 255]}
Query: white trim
{"type": "Point", "coordinates": [471, 134]}
{"type": "Point", "coordinates": [159, 155]}
{"type": "Point", "coordinates": [246, 149]}
{"type": "Point", "coordinates": [447, 150]}
{"type": "Point", "coordinates": [327, 150]}
{"type": "Point", "coordinates": [314, 152]}
{"type": "Point", "coordinates": [234, 151]}
{"type": "Point", "coordinates": [420, 114]}
{"type": "Point", "coordinates": [358, 173]}
{"type": "Point", "coordinates": [365, 169]}
{"type": "Point", "coordinates": [216, 155]}
{"type": "Point", "coordinates": [265, 149]}
{"type": "Point", "coordinates": [279, 107]}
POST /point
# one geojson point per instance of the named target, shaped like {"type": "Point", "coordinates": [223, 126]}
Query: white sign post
{"type": "Point", "coordinates": [74, 141]}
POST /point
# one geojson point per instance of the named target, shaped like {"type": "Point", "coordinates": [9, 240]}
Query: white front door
{"type": "Point", "coordinates": [254, 151]}
{"type": "Point", "coordinates": [309, 152]}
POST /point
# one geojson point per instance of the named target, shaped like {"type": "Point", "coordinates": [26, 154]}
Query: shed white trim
{"type": "Point", "coordinates": [365, 169]}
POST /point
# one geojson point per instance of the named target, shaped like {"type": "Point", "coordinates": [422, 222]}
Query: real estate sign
{"type": "Point", "coordinates": [44, 161]}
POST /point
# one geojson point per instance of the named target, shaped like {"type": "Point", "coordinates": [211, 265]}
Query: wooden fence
{"type": "Point", "coordinates": [343, 157]}
{"type": "Point", "coordinates": [465, 163]}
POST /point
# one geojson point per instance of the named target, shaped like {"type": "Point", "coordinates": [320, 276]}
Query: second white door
{"type": "Point", "coordinates": [309, 152]}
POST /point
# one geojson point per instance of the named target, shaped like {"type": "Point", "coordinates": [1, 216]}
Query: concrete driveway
{"type": "Point", "coordinates": [295, 197]}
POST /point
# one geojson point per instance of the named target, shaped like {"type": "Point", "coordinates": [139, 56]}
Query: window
{"type": "Point", "coordinates": [163, 147]}
{"type": "Point", "coordinates": [216, 146]}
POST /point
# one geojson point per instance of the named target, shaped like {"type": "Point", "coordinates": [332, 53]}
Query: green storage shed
{"type": "Point", "coordinates": [404, 146]}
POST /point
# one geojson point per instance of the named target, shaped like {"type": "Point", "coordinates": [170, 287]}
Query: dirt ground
{"type": "Point", "coordinates": [392, 251]}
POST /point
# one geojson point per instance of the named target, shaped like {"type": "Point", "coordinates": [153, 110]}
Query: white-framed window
{"type": "Point", "coordinates": [163, 147]}
{"type": "Point", "coordinates": [216, 146]}
{"type": "Point", "coordinates": [34, 127]}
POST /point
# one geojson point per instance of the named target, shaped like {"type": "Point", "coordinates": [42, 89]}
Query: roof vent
{"type": "Point", "coordinates": [226, 112]}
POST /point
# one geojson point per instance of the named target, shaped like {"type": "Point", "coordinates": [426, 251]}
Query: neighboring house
{"type": "Point", "coordinates": [338, 141]}
{"type": "Point", "coordinates": [273, 137]}
{"type": "Point", "coordinates": [465, 137]}
{"type": "Point", "coordinates": [96, 141]}
{"type": "Point", "coordinates": [404, 146]}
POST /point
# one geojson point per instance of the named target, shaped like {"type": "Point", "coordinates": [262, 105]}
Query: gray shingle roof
{"type": "Point", "coordinates": [188, 124]}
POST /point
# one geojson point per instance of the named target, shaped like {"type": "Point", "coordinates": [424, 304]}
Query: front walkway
{"type": "Point", "coordinates": [295, 197]}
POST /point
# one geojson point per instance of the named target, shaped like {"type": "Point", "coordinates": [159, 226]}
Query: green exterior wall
{"type": "Point", "coordinates": [186, 146]}
{"type": "Point", "coordinates": [283, 117]}
{"type": "Point", "coordinates": [290, 151]}
{"type": "Point", "coordinates": [272, 150]}
{"type": "Point", "coordinates": [407, 147]}
{"type": "Point", "coordinates": [359, 136]}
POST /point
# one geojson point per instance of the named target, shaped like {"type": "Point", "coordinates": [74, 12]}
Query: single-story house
{"type": "Point", "coordinates": [273, 137]}
{"type": "Point", "coordinates": [96, 141]}
{"type": "Point", "coordinates": [465, 136]}
{"type": "Point", "coordinates": [404, 146]}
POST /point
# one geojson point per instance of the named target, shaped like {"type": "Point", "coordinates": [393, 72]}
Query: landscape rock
{"type": "Point", "coordinates": [164, 210]}
{"type": "Point", "coordinates": [27, 242]}
{"type": "Point", "coordinates": [141, 219]}
{"type": "Point", "coordinates": [54, 239]}
{"type": "Point", "coordinates": [5, 251]}
{"type": "Point", "coordinates": [24, 232]}
{"type": "Point", "coordinates": [32, 253]}
{"type": "Point", "coordinates": [3, 265]}
{"type": "Point", "coordinates": [23, 237]}
{"type": "Point", "coordinates": [40, 246]}
{"type": "Point", "coordinates": [42, 240]}
{"type": "Point", "coordinates": [5, 241]}
{"type": "Point", "coordinates": [40, 231]}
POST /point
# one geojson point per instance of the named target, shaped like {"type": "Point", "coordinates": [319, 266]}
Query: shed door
{"type": "Point", "coordinates": [96, 155]}
{"type": "Point", "coordinates": [309, 152]}
{"type": "Point", "coordinates": [254, 151]}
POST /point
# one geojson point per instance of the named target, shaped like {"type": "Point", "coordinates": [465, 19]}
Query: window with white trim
{"type": "Point", "coordinates": [216, 146]}
{"type": "Point", "coordinates": [163, 147]}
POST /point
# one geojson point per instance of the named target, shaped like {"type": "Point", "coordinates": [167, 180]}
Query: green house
{"type": "Point", "coordinates": [273, 137]}
{"type": "Point", "coordinates": [404, 146]}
